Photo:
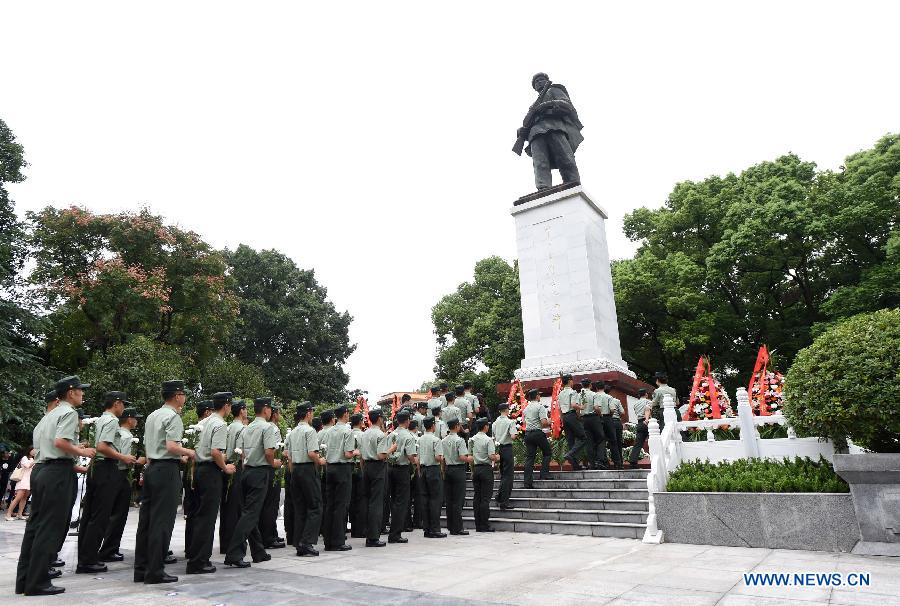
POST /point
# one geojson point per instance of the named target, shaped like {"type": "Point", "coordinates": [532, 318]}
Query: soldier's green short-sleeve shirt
{"type": "Point", "coordinates": [454, 446]}
{"type": "Point", "coordinates": [615, 406]}
{"type": "Point", "coordinates": [430, 447]}
{"type": "Point", "coordinates": [566, 397]}
{"type": "Point", "coordinates": [406, 446]}
{"type": "Point", "coordinates": [661, 392]}
{"type": "Point", "coordinates": [418, 418]}
{"type": "Point", "coordinates": [482, 448]}
{"type": "Point", "coordinates": [163, 424]}
{"type": "Point", "coordinates": [213, 435]}
{"type": "Point", "coordinates": [123, 444]}
{"type": "Point", "coordinates": [503, 429]}
{"type": "Point", "coordinates": [105, 429]}
{"type": "Point", "coordinates": [451, 411]}
{"type": "Point", "coordinates": [61, 422]}
{"type": "Point", "coordinates": [641, 406]}
{"type": "Point", "coordinates": [256, 439]}
{"type": "Point", "coordinates": [300, 442]}
{"type": "Point", "coordinates": [433, 403]}
{"type": "Point", "coordinates": [372, 443]}
{"type": "Point", "coordinates": [464, 406]}
{"type": "Point", "coordinates": [601, 403]}
{"type": "Point", "coordinates": [534, 413]}
{"type": "Point", "coordinates": [338, 440]}
{"type": "Point", "coordinates": [235, 429]}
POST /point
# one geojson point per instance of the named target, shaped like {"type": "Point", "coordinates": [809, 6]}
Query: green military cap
{"type": "Point", "coordinates": [586, 382]}
{"type": "Point", "coordinates": [50, 396]}
{"type": "Point", "coordinates": [70, 382]}
{"type": "Point", "coordinates": [340, 411]}
{"type": "Point", "coordinates": [172, 386]}
{"type": "Point", "coordinates": [435, 389]}
{"type": "Point", "coordinates": [503, 406]}
{"type": "Point", "coordinates": [131, 413]}
{"type": "Point", "coordinates": [327, 416]}
{"type": "Point", "coordinates": [422, 404]}
{"type": "Point", "coordinates": [532, 393]}
{"type": "Point", "coordinates": [203, 406]}
{"type": "Point", "coordinates": [642, 392]}
{"type": "Point", "coordinates": [222, 396]}
{"type": "Point", "coordinates": [112, 396]}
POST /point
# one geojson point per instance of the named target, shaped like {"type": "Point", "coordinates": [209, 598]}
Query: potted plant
{"type": "Point", "coordinates": [846, 386]}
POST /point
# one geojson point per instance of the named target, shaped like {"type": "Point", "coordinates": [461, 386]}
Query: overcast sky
{"type": "Point", "coordinates": [371, 141]}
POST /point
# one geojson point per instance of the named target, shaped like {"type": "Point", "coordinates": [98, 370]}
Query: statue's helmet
{"type": "Point", "coordinates": [535, 77]}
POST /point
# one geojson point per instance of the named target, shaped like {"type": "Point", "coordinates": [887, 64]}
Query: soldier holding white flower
{"type": "Point", "coordinates": [231, 491]}
{"type": "Point", "coordinates": [268, 519]}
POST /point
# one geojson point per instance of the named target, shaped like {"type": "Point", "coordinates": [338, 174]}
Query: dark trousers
{"type": "Point", "coordinates": [507, 465]}
{"type": "Point", "coordinates": [399, 499]}
{"type": "Point", "coordinates": [536, 439]}
{"type": "Point", "coordinates": [121, 505]}
{"type": "Point", "coordinates": [641, 433]}
{"type": "Point", "coordinates": [483, 482]}
{"type": "Point", "coordinates": [617, 438]}
{"type": "Point", "coordinates": [432, 497]}
{"type": "Point", "coordinates": [268, 517]}
{"type": "Point", "coordinates": [609, 428]}
{"type": "Point", "coordinates": [289, 513]}
{"type": "Point", "coordinates": [306, 495]}
{"type": "Point", "coordinates": [337, 502]}
{"type": "Point", "coordinates": [357, 505]}
{"type": "Point", "coordinates": [208, 496]}
{"type": "Point", "coordinates": [72, 498]}
{"type": "Point", "coordinates": [324, 483]}
{"type": "Point", "coordinates": [455, 489]}
{"type": "Point", "coordinates": [596, 439]}
{"type": "Point", "coordinates": [552, 149]}
{"type": "Point", "coordinates": [373, 495]}
{"type": "Point", "coordinates": [254, 485]}
{"type": "Point", "coordinates": [157, 517]}
{"type": "Point", "coordinates": [99, 498]}
{"type": "Point", "coordinates": [49, 518]}
{"type": "Point", "coordinates": [417, 492]}
{"type": "Point", "coordinates": [230, 510]}
{"type": "Point", "coordinates": [574, 434]}
{"type": "Point", "coordinates": [189, 502]}
{"type": "Point", "coordinates": [386, 499]}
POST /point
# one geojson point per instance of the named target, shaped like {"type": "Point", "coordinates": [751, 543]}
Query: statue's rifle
{"type": "Point", "coordinates": [529, 118]}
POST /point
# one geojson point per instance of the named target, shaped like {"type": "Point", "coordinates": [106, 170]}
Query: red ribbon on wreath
{"type": "Point", "coordinates": [759, 373]}
{"type": "Point", "coordinates": [555, 414]}
{"type": "Point", "coordinates": [704, 371]}
{"type": "Point", "coordinates": [520, 414]}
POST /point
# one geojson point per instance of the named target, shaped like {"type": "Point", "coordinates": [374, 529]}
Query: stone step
{"type": "Point", "coordinates": [573, 493]}
{"type": "Point", "coordinates": [560, 503]}
{"type": "Point", "coordinates": [596, 529]}
{"type": "Point", "coordinates": [600, 483]}
{"type": "Point", "coordinates": [618, 474]}
{"type": "Point", "coordinates": [617, 516]}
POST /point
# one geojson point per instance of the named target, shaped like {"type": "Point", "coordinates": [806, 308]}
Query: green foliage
{"type": "Point", "coordinates": [757, 475]}
{"type": "Point", "coordinates": [288, 328]}
{"type": "Point", "coordinates": [137, 367]}
{"type": "Point", "coordinates": [731, 262]}
{"type": "Point", "coordinates": [847, 383]}
{"type": "Point", "coordinates": [228, 374]}
{"type": "Point", "coordinates": [480, 327]}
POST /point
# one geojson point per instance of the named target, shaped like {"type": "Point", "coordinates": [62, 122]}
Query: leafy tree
{"type": "Point", "coordinates": [288, 327]}
{"type": "Point", "coordinates": [847, 383]}
{"type": "Point", "coordinates": [106, 278]}
{"type": "Point", "coordinates": [228, 374]}
{"type": "Point", "coordinates": [23, 378]}
{"type": "Point", "coordinates": [138, 367]}
{"type": "Point", "coordinates": [479, 328]}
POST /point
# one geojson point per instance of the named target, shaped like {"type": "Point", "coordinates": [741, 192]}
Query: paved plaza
{"type": "Point", "coordinates": [504, 568]}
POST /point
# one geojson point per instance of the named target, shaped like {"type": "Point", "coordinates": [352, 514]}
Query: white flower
{"type": "Point", "coordinates": [196, 427]}
{"type": "Point", "coordinates": [322, 446]}
{"type": "Point", "coordinates": [190, 431]}
{"type": "Point", "coordinates": [239, 451]}
{"type": "Point", "coordinates": [135, 440]}
{"type": "Point", "coordinates": [279, 445]}
{"type": "Point", "coordinates": [88, 421]}
{"type": "Point", "coordinates": [698, 408]}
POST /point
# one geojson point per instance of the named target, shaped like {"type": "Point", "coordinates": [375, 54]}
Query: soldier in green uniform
{"type": "Point", "coordinates": [504, 430]}
{"type": "Point", "coordinates": [642, 410]}
{"type": "Point", "coordinates": [451, 411]}
{"type": "Point", "coordinates": [414, 517]}
{"type": "Point", "coordinates": [431, 455]}
{"type": "Point", "coordinates": [602, 406]}
{"type": "Point", "coordinates": [466, 411]}
{"type": "Point", "coordinates": [420, 415]}
{"type": "Point", "coordinates": [440, 426]}
{"type": "Point", "coordinates": [212, 468]}
{"type": "Point", "coordinates": [357, 505]}
{"type": "Point", "coordinates": [101, 485]}
{"type": "Point", "coordinates": [399, 476]}
{"type": "Point", "coordinates": [456, 455]}
{"type": "Point", "coordinates": [483, 457]}
{"type": "Point", "coordinates": [109, 550]}
{"type": "Point", "coordinates": [268, 518]}
{"type": "Point", "coordinates": [302, 450]}
{"type": "Point", "coordinates": [374, 449]}
{"type": "Point", "coordinates": [163, 433]}
{"type": "Point", "coordinates": [435, 401]}
{"type": "Point", "coordinates": [662, 389]}
{"type": "Point", "coordinates": [569, 406]}
{"type": "Point", "coordinates": [231, 488]}
{"type": "Point", "coordinates": [616, 408]}
{"type": "Point", "coordinates": [339, 452]}
{"type": "Point", "coordinates": [56, 447]}
{"type": "Point", "coordinates": [189, 504]}
{"type": "Point", "coordinates": [257, 444]}
{"type": "Point", "coordinates": [327, 419]}
{"type": "Point", "coordinates": [536, 419]}
{"type": "Point", "coordinates": [593, 427]}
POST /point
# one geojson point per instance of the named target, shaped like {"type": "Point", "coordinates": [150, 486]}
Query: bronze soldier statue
{"type": "Point", "coordinates": [553, 132]}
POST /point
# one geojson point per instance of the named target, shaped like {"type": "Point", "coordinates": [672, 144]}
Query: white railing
{"type": "Point", "coordinates": [668, 450]}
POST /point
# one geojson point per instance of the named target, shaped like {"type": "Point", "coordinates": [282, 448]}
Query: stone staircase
{"type": "Point", "coordinates": [608, 503]}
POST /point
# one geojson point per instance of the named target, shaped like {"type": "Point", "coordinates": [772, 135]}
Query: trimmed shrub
{"type": "Point", "coordinates": [757, 475]}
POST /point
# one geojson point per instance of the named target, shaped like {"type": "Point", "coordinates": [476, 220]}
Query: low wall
{"type": "Point", "coordinates": [814, 521]}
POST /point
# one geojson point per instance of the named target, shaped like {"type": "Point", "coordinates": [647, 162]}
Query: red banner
{"type": "Point", "coordinates": [759, 374]}
{"type": "Point", "coordinates": [555, 414]}
{"type": "Point", "coordinates": [704, 373]}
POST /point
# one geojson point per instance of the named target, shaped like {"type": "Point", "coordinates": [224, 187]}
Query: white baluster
{"type": "Point", "coordinates": [792, 435]}
{"type": "Point", "coordinates": [749, 435]}
{"type": "Point", "coordinates": [652, 534]}
{"type": "Point", "coordinates": [710, 436]}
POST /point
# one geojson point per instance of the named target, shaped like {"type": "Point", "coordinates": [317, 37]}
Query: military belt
{"type": "Point", "coordinates": [58, 462]}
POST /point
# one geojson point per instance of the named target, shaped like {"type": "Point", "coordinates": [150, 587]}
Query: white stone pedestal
{"type": "Point", "coordinates": [568, 310]}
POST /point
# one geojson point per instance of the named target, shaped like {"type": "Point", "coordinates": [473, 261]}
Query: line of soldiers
{"type": "Point", "coordinates": [231, 475]}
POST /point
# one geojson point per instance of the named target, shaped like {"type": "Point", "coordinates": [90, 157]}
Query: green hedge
{"type": "Point", "coordinates": [756, 475]}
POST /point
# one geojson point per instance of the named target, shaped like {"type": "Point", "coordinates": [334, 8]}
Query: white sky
{"type": "Point", "coordinates": [356, 137]}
